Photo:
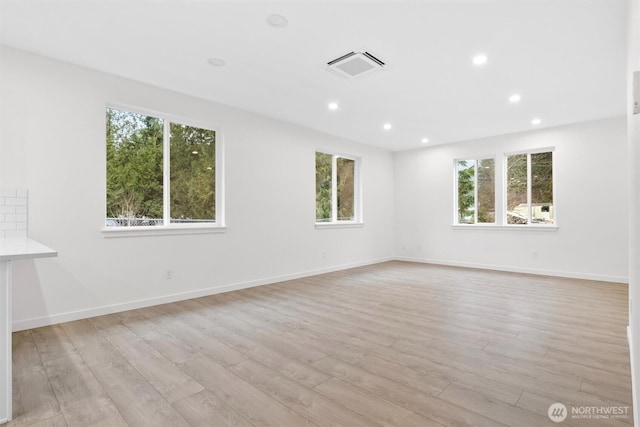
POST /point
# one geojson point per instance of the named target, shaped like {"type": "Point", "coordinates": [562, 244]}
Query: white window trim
{"type": "Point", "coordinates": [512, 227]}
{"type": "Point", "coordinates": [341, 224]}
{"type": "Point", "coordinates": [162, 230]}
{"type": "Point", "coordinates": [219, 225]}
{"type": "Point", "coordinates": [505, 165]}
{"type": "Point", "coordinates": [357, 193]}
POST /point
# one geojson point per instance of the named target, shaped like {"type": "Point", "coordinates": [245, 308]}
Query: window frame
{"type": "Point", "coordinates": [456, 218]}
{"type": "Point", "coordinates": [357, 192]}
{"type": "Point", "coordinates": [505, 165]}
{"type": "Point", "coordinates": [167, 228]}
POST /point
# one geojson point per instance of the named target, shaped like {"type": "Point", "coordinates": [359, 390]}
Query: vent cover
{"type": "Point", "coordinates": [355, 64]}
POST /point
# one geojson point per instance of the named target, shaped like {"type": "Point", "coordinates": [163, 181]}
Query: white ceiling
{"type": "Point", "coordinates": [567, 58]}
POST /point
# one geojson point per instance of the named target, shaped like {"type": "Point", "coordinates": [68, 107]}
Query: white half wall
{"type": "Point", "coordinates": [52, 142]}
{"type": "Point", "coordinates": [591, 205]}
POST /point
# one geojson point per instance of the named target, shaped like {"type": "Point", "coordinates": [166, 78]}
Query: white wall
{"type": "Point", "coordinates": [52, 142]}
{"type": "Point", "coordinates": [633, 125]}
{"type": "Point", "coordinates": [591, 205]}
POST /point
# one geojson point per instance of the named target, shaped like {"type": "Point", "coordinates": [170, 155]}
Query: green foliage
{"type": "Point", "coordinates": [345, 186]}
{"type": "Point", "coordinates": [486, 191]}
{"type": "Point", "coordinates": [466, 176]}
{"type": "Point", "coordinates": [192, 172]}
{"type": "Point", "coordinates": [323, 186]}
{"type": "Point", "coordinates": [542, 178]}
{"type": "Point", "coordinates": [134, 165]}
{"type": "Point", "coordinates": [135, 168]}
{"type": "Point", "coordinates": [516, 180]}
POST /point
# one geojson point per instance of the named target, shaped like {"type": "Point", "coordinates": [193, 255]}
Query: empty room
{"type": "Point", "coordinates": [319, 213]}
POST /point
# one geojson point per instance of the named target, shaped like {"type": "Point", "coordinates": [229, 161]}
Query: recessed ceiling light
{"type": "Point", "coordinates": [515, 98]}
{"type": "Point", "coordinates": [333, 106]}
{"type": "Point", "coordinates": [536, 122]}
{"type": "Point", "coordinates": [386, 126]}
{"type": "Point", "coordinates": [479, 59]}
{"type": "Point", "coordinates": [216, 62]}
{"type": "Point", "coordinates": [277, 21]}
{"type": "Point", "coordinates": [424, 140]}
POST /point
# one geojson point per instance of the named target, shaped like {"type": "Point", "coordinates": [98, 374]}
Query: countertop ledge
{"type": "Point", "coordinates": [12, 248]}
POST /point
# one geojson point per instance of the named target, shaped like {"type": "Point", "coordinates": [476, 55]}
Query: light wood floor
{"type": "Point", "coordinates": [395, 344]}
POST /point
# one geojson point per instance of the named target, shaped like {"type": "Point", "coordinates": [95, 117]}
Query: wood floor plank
{"type": "Point", "coordinates": [320, 410]}
{"type": "Point", "coordinates": [494, 409]}
{"type": "Point", "coordinates": [98, 411]}
{"type": "Point", "coordinates": [33, 397]}
{"type": "Point", "coordinates": [401, 395]}
{"type": "Point", "coordinates": [73, 381]}
{"type": "Point", "coordinates": [395, 343]}
{"type": "Point", "coordinates": [301, 372]}
{"type": "Point", "coordinates": [169, 346]}
{"type": "Point", "coordinates": [166, 377]}
{"type": "Point", "coordinates": [93, 347]}
{"type": "Point", "coordinates": [138, 402]}
{"type": "Point", "coordinates": [371, 406]}
{"type": "Point", "coordinates": [55, 421]}
{"type": "Point", "coordinates": [251, 403]}
{"type": "Point", "coordinates": [204, 409]}
{"type": "Point", "coordinates": [350, 350]}
{"type": "Point", "coordinates": [204, 344]}
{"type": "Point", "coordinates": [53, 343]}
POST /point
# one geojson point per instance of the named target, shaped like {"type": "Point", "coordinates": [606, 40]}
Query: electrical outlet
{"type": "Point", "coordinates": [168, 274]}
{"type": "Point", "coordinates": [534, 254]}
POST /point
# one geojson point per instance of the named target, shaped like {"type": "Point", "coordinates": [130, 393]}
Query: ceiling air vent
{"type": "Point", "coordinates": [355, 64]}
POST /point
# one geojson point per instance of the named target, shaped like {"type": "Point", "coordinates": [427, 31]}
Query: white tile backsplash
{"type": "Point", "coordinates": [13, 212]}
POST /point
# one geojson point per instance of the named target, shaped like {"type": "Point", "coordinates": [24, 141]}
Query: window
{"type": "Point", "coordinates": [159, 172]}
{"type": "Point", "coordinates": [475, 201]}
{"type": "Point", "coordinates": [529, 185]}
{"type": "Point", "coordinates": [336, 189]}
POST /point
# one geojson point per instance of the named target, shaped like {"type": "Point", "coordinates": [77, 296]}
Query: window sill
{"type": "Point", "coordinates": [505, 227]}
{"type": "Point", "coordinates": [345, 224]}
{"type": "Point", "coordinates": [111, 232]}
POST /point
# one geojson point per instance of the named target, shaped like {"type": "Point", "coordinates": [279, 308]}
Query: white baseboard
{"type": "Point", "coordinates": [20, 325]}
{"type": "Point", "coordinates": [634, 377]}
{"type": "Point", "coordinates": [568, 274]}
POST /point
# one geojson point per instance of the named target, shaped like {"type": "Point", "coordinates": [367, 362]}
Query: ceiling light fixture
{"type": "Point", "coordinates": [216, 62]}
{"type": "Point", "coordinates": [515, 98]}
{"type": "Point", "coordinates": [387, 126]}
{"type": "Point", "coordinates": [424, 140]}
{"type": "Point", "coordinates": [333, 106]}
{"type": "Point", "coordinates": [194, 152]}
{"type": "Point", "coordinates": [277, 21]}
{"type": "Point", "coordinates": [536, 122]}
{"type": "Point", "coordinates": [479, 59]}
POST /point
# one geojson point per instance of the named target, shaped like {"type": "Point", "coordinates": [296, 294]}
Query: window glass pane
{"type": "Point", "coordinates": [486, 191]}
{"type": "Point", "coordinates": [466, 190]}
{"type": "Point", "coordinates": [517, 208]}
{"type": "Point", "coordinates": [134, 169]}
{"type": "Point", "coordinates": [323, 187]}
{"type": "Point", "coordinates": [542, 188]}
{"type": "Point", "coordinates": [345, 176]}
{"type": "Point", "coordinates": [192, 174]}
